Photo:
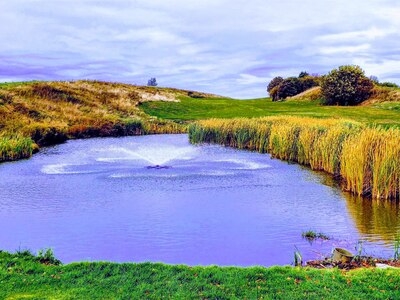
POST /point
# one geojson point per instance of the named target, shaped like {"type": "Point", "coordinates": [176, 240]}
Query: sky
{"type": "Point", "coordinates": [230, 48]}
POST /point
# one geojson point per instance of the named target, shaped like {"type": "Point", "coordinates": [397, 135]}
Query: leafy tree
{"type": "Point", "coordinates": [272, 87]}
{"type": "Point", "coordinates": [307, 82]}
{"type": "Point", "coordinates": [289, 87]}
{"type": "Point", "coordinates": [346, 85]}
{"type": "Point", "coordinates": [274, 93]}
{"type": "Point", "coordinates": [152, 82]}
{"type": "Point", "coordinates": [303, 74]}
{"type": "Point", "coordinates": [274, 82]}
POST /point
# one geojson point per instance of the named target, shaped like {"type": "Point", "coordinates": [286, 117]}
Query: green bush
{"type": "Point", "coordinates": [273, 87]}
{"type": "Point", "coordinates": [289, 87]}
{"type": "Point", "coordinates": [346, 85]}
{"type": "Point", "coordinates": [307, 82]}
{"type": "Point", "coordinates": [388, 84]}
{"type": "Point", "coordinates": [280, 88]}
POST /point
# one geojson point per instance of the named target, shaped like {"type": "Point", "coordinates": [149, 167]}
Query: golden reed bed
{"type": "Point", "coordinates": [366, 159]}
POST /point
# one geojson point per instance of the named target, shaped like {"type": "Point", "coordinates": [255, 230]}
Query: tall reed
{"type": "Point", "coordinates": [371, 163]}
{"type": "Point", "coordinates": [367, 159]}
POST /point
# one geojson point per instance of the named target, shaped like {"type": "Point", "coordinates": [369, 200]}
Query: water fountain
{"type": "Point", "coordinates": [156, 156]}
{"type": "Point", "coordinates": [158, 198]}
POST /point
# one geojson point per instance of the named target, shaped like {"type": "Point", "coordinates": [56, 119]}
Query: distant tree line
{"type": "Point", "coordinates": [346, 85]}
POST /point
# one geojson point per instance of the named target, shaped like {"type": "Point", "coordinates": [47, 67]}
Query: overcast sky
{"type": "Point", "coordinates": [233, 48]}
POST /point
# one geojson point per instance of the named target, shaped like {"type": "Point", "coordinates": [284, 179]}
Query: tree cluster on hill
{"type": "Point", "coordinates": [280, 88]}
{"type": "Point", "coordinates": [346, 85]}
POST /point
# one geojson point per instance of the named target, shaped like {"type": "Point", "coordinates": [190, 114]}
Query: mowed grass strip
{"type": "Point", "coordinates": [366, 159]}
{"type": "Point", "coordinates": [22, 276]}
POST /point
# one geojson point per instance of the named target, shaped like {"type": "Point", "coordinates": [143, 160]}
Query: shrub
{"type": "Point", "coordinates": [307, 82]}
{"type": "Point", "coordinates": [272, 87]}
{"type": "Point", "coordinates": [388, 84]}
{"type": "Point", "coordinates": [280, 88]}
{"type": "Point", "coordinates": [289, 87]}
{"type": "Point", "coordinates": [346, 85]}
{"type": "Point", "coordinates": [46, 256]}
{"type": "Point", "coordinates": [152, 82]}
{"type": "Point", "coordinates": [303, 74]}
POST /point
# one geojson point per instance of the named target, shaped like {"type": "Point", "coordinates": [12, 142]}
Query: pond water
{"type": "Point", "coordinates": [158, 198]}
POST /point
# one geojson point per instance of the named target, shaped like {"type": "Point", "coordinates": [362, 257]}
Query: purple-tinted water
{"type": "Point", "coordinates": [98, 200]}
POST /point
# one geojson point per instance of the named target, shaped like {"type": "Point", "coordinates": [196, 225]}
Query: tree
{"type": "Point", "coordinates": [289, 87]}
{"type": "Point", "coordinates": [374, 79]}
{"type": "Point", "coordinates": [274, 82]}
{"type": "Point", "coordinates": [272, 87]}
{"type": "Point", "coordinates": [346, 85]}
{"type": "Point", "coordinates": [152, 82]}
{"type": "Point", "coordinates": [303, 74]}
{"type": "Point", "coordinates": [307, 82]}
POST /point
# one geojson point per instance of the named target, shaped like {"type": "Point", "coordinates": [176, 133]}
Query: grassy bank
{"type": "Point", "coordinates": [46, 113]}
{"type": "Point", "coordinates": [367, 159]}
{"type": "Point", "coordinates": [52, 112]}
{"type": "Point", "coordinates": [382, 113]}
{"type": "Point", "coordinates": [23, 275]}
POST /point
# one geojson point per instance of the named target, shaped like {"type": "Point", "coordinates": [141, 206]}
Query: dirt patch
{"type": "Point", "coordinates": [145, 97]}
{"type": "Point", "coordinates": [357, 262]}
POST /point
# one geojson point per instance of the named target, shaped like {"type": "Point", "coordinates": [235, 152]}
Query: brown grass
{"type": "Point", "coordinates": [51, 112]}
{"type": "Point", "coordinates": [367, 159]}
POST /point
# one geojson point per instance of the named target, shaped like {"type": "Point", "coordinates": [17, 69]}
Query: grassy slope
{"type": "Point", "coordinates": [51, 112]}
{"type": "Point", "coordinates": [22, 276]}
{"type": "Point", "coordinates": [72, 107]}
{"type": "Point", "coordinates": [197, 109]}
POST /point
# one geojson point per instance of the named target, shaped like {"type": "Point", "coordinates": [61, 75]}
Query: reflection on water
{"type": "Point", "coordinates": [158, 198]}
{"type": "Point", "coordinates": [376, 220]}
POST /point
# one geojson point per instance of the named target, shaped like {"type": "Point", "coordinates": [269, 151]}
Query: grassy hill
{"type": "Point", "coordinates": [35, 114]}
{"type": "Point", "coordinates": [51, 112]}
{"type": "Point", "coordinates": [305, 104]}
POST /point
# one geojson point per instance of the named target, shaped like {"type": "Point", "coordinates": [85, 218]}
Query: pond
{"type": "Point", "coordinates": [158, 198]}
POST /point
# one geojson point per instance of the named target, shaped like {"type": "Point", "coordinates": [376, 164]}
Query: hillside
{"type": "Point", "coordinates": [35, 114]}
{"type": "Point", "coordinates": [380, 95]}
{"type": "Point", "coordinates": [51, 112]}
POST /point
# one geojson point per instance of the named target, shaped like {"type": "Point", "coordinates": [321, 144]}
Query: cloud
{"type": "Point", "coordinates": [226, 47]}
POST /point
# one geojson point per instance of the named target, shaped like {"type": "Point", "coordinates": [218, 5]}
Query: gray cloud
{"type": "Point", "coordinates": [227, 47]}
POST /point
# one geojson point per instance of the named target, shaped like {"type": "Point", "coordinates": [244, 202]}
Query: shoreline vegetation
{"type": "Point", "coordinates": [344, 141]}
{"type": "Point", "coordinates": [365, 159]}
{"type": "Point", "coordinates": [23, 275]}
{"type": "Point", "coordinates": [353, 148]}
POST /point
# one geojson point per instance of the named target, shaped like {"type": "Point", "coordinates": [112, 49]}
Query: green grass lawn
{"type": "Point", "coordinates": [196, 109]}
{"type": "Point", "coordinates": [22, 276]}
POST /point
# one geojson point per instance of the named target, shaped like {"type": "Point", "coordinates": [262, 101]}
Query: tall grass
{"type": "Point", "coordinates": [367, 159]}
{"type": "Point", "coordinates": [15, 148]}
{"type": "Point", "coordinates": [371, 163]}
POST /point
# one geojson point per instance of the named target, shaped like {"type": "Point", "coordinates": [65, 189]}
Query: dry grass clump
{"type": "Point", "coordinates": [371, 163]}
{"type": "Point", "coordinates": [383, 94]}
{"type": "Point", "coordinates": [368, 159]}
